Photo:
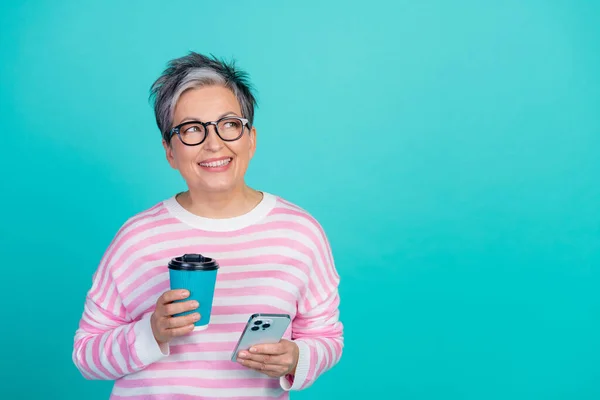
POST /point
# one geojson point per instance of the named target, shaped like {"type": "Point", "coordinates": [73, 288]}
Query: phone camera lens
{"type": "Point", "coordinates": [265, 326]}
{"type": "Point", "coordinates": [255, 328]}
{"type": "Point", "coordinates": [257, 322]}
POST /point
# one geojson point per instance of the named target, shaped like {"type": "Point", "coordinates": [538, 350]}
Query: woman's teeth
{"type": "Point", "coordinates": [215, 164]}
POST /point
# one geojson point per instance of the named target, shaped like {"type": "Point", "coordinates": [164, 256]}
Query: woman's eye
{"type": "Point", "coordinates": [192, 129]}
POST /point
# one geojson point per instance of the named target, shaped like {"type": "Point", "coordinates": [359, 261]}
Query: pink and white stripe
{"type": "Point", "coordinates": [280, 263]}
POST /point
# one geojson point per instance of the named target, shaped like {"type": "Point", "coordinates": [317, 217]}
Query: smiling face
{"type": "Point", "coordinates": [214, 165]}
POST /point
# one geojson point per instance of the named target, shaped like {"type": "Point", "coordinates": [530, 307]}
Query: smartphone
{"type": "Point", "coordinates": [262, 329]}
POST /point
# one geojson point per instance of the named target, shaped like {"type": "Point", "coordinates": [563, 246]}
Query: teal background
{"type": "Point", "coordinates": [451, 150]}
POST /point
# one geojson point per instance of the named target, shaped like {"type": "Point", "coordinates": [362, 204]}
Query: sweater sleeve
{"type": "Point", "coordinates": [108, 344]}
{"type": "Point", "coordinates": [317, 329]}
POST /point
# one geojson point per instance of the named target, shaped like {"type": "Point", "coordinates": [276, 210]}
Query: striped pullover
{"type": "Point", "coordinates": [274, 259]}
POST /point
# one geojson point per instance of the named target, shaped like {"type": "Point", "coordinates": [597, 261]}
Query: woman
{"type": "Point", "coordinates": [274, 258]}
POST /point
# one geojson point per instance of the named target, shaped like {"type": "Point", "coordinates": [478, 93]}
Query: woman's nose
{"type": "Point", "coordinates": [212, 142]}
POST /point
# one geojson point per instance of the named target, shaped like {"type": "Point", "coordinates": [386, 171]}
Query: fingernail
{"type": "Point", "coordinates": [253, 349]}
{"type": "Point", "coordinates": [185, 293]}
{"type": "Point", "coordinates": [243, 355]}
{"type": "Point", "coordinates": [197, 317]}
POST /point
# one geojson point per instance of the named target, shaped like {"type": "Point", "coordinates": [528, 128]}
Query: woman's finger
{"type": "Point", "coordinates": [176, 308]}
{"type": "Point", "coordinates": [171, 295]}
{"type": "Point", "coordinates": [184, 330]}
{"type": "Point", "coordinates": [271, 348]}
{"type": "Point", "coordinates": [285, 359]}
{"type": "Point", "coordinates": [262, 367]}
{"type": "Point", "coordinates": [177, 322]}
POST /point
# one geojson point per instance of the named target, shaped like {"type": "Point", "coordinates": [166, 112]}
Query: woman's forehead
{"type": "Point", "coordinates": [206, 103]}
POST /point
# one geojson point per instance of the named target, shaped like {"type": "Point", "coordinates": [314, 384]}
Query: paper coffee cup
{"type": "Point", "coordinates": [198, 275]}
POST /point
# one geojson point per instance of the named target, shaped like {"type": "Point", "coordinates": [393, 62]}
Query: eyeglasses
{"type": "Point", "coordinates": [193, 133]}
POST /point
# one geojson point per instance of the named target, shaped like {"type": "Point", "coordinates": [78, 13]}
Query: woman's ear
{"type": "Point", "coordinates": [252, 149]}
{"type": "Point", "coordinates": [169, 153]}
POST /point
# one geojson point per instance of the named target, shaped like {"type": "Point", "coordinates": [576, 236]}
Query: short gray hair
{"type": "Point", "coordinates": [192, 71]}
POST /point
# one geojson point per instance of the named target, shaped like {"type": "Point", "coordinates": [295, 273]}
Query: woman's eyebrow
{"type": "Point", "coordinates": [199, 119]}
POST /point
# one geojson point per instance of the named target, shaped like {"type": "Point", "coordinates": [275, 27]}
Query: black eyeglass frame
{"type": "Point", "coordinates": [176, 129]}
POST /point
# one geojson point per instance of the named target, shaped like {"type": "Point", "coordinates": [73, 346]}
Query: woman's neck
{"type": "Point", "coordinates": [220, 205]}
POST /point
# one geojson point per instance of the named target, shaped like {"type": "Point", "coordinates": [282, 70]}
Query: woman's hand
{"type": "Point", "coordinates": [274, 360]}
{"type": "Point", "coordinates": [164, 326]}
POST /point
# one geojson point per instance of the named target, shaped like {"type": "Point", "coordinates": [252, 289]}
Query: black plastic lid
{"type": "Point", "coordinates": [193, 262]}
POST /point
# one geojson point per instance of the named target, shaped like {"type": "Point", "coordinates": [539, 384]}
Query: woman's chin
{"type": "Point", "coordinates": [216, 187]}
